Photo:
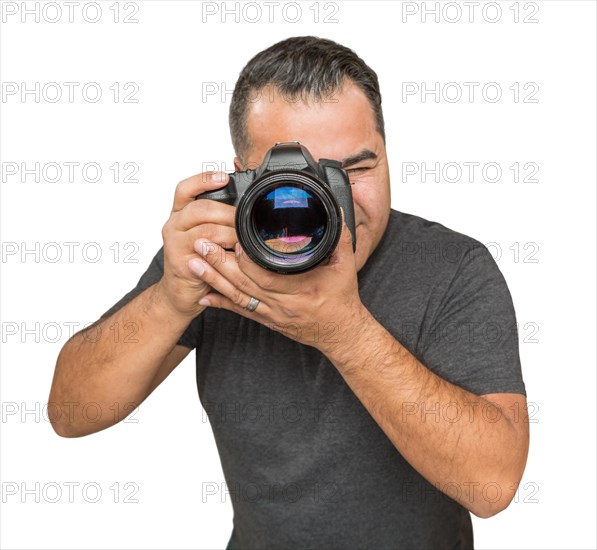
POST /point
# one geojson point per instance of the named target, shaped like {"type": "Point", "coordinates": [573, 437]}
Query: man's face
{"type": "Point", "coordinates": [339, 127]}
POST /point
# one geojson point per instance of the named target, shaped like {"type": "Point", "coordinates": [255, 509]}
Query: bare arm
{"type": "Point", "coordinates": [116, 374]}
{"type": "Point", "coordinates": [473, 448]}
{"type": "Point", "coordinates": [112, 372]}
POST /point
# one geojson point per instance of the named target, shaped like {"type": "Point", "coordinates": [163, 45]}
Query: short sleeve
{"type": "Point", "coordinates": [151, 276]}
{"type": "Point", "coordinates": [472, 341]}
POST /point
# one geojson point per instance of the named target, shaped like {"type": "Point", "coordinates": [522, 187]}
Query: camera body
{"type": "Point", "coordinates": [288, 216]}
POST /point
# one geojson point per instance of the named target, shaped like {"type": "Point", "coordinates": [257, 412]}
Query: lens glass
{"type": "Point", "coordinates": [290, 219]}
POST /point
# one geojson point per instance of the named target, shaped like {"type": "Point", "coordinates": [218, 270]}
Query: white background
{"type": "Point", "coordinates": [172, 54]}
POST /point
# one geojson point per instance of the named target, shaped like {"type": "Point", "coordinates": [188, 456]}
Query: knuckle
{"type": "Point", "coordinates": [237, 297]}
{"type": "Point", "coordinates": [167, 230]}
{"type": "Point", "coordinates": [267, 283]}
{"type": "Point", "coordinates": [244, 284]}
{"type": "Point", "coordinates": [180, 187]}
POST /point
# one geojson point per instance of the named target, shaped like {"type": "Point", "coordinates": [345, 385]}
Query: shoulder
{"type": "Point", "coordinates": [412, 243]}
{"type": "Point", "coordinates": [412, 228]}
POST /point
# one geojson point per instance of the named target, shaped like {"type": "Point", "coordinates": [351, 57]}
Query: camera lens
{"type": "Point", "coordinates": [289, 219]}
{"type": "Point", "coordinates": [289, 210]}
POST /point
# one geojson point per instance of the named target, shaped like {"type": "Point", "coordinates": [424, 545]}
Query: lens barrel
{"type": "Point", "coordinates": [288, 221]}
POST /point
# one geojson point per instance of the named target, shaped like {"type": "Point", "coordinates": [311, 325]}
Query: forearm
{"type": "Point", "coordinates": [111, 365]}
{"type": "Point", "coordinates": [458, 441]}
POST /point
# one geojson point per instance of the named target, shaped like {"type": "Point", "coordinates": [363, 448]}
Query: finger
{"type": "Point", "coordinates": [222, 302]}
{"type": "Point", "coordinates": [221, 235]}
{"type": "Point", "coordinates": [204, 211]}
{"type": "Point", "coordinates": [225, 264]}
{"type": "Point", "coordinates": [188, 189]}
{"type": "Point", "coordinates": [274, 283]}
{"type": "Point", "coordinates": [211, 276]}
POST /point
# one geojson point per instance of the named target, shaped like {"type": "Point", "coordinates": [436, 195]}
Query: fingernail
{"type": "Point", "coordinates": [204, 302]}
{"type": "Point", "coordinates": [197, 267]}
{"type": "Point", "coordinates": [219, 177]}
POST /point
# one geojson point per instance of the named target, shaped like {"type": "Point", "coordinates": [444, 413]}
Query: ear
{"type": "Point", "coordinates": [238, 167]}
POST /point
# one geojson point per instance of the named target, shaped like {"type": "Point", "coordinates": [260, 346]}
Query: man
{"type": "Point", "coordinates": [381, 393]}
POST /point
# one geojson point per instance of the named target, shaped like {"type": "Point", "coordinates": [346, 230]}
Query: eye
{"type": "Point", "coordinates": [358, 170]}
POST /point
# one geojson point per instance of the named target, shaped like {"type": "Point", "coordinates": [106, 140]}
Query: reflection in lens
{"type": "Point", "coordinates": [290, 220]}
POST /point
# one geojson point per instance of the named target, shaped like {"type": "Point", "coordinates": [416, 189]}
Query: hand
{"type": "Point", "coordinates": [319, 308]}
{"type": "Point", "coordinates": [190, 220]}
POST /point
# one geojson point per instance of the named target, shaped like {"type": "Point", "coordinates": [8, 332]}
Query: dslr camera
{"type": "Point", "coordinates": [288, 217]}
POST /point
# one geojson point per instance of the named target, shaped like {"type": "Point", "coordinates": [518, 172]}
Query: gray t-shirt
{"type": "Point", "coordinates": [305, 464]}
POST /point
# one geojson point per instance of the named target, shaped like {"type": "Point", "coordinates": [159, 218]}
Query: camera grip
{"type": "Point", "coordinates": [344, 197]}
{"type": "Point", "coordinates": [225, 194]}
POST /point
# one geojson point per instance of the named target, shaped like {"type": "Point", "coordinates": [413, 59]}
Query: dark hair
{"type": "Point", "coordinates": [300, 67]}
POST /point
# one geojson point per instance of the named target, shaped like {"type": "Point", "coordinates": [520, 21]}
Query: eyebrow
{"type": "Point", "coordinates": [365, 154]}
